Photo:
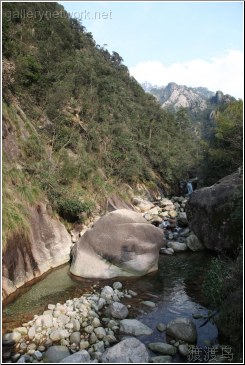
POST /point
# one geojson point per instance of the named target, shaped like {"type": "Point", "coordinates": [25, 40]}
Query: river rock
{"type": "Point", "coordinates": [99, 347]}
{"type": "Point", "coordinates": [118, 310]}
{"type": "Point", "coordinates": [107, 293]}
{"type": "Point", "coordinates": [55, 354]}
{"type": "Point", "coordinates": [63, 319]}
{"type": "Point", "coordinates": [184, 350]}
{"type": "Point", "coordinates": [46, 246]}
{"type": "Point", "coordinates": [96, 322]}
{"type": "Point", "coordinates": [172, 213]}
{"type": "Point", "coordinates": [79, 357]}
{"type": "Point", "coordinates": [21, 330]}
{"type": "Point", "coordinates": [165, 202]}
{"type": "Point", "coordinates": [193, 243]}
{"type": "Point", "coordinates": [148, 303]}
{"type": "Point", "coordinates": [182, 328]}
{"type": "Point", "coordinates": [22, 360]}
{"type": "Point", "coordinates": [37, 355]}
{"type": "Point", "coordinates": [129, 350]}
{"type": "Point", "coordinates": [182, 219]}
{"type": "Point", "coordinates": [167, 251]}
{"type": "Point", "coordinates": [210, 212]}
{"type": "Point", "coordinates": [129, 248]}
{"type": "Point", "coordinates": [101, 303]}
{"type": "Point", "coordinates": [58, 334]}
{"type": "Point", "coordinates": [162, 348]}
{"type": "Point", "coordinates": [161, 359]}
{"type": "Point", "coordinates": [142, 205]}
{"type": "Point", "coordinates": [75, 337]}
{"type": "Point", "coordinates": [100, 332]}
{"type": "Point", "coordinates": [161, 327]}
{"type": "Point", "coordinates": [117, 285]}
{"type": "Point", "coordinates": [15, 357]}
{"type": "Point", "coordinates": [84, 344]}
{"type": "Point", "coordinates": [177, 246]}
{"type": "Point", "coordinates": [89, 329]}
{"type": "Point", "coordinates": [47, 321]}
{"type": "Point", "coordinates": [134, 327]}
{"type": "Point", "coordinates": [11, 338]}
{"type": "Point", "coordinates": [32, 332]}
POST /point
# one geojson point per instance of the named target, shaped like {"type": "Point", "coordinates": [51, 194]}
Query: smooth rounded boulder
{"type": "Point", "coordinates": [121, 243]}
{"type": "Point", "coordinates": [182, 328]}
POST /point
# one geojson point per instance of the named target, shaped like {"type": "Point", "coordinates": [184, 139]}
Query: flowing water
{"type": "Point", "coordinates": [175, 288]}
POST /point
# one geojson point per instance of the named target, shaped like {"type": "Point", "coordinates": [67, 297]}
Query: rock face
{"type": "Point", "coordinates": [114, 203]}
{"type": "Point", "coordinates": [177, 96]}
{"type": "Point", "coordinates": [47, 246]}
{"type": "Point", "coordinates": [121, 243]}
{"type": "Point", "coordinates": [129, 350]}
{"type": "Point", "coordinates": [210, 214]}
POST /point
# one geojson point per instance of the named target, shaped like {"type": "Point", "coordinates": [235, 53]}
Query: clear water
{"type": "Point", "coordinates": [175, 288]}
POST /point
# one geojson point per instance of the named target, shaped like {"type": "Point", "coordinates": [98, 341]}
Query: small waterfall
{"type": "Point", "coordinates": [189, 188]}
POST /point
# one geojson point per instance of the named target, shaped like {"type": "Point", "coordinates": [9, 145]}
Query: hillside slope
{"type": "Point", "coordinates": [76, 126]}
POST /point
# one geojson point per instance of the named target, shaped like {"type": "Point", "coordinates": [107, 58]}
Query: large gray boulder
{"type": "Point", "coordinates": [129, 350]}
{"type": "Point", "coordinates": [213, 214]}
{"type": "Point", "coordinates": [121, 243]}
{"type": "Point", "coordinates": [182, 329]}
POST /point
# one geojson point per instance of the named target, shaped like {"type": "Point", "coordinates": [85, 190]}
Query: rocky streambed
{"type": "Point", "coordinates": [154, 318]}
{"type": "Point", "coordinates": [94, 325]}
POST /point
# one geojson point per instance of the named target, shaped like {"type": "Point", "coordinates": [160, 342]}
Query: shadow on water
{"type": "Point", "coordinates": [175, 288]}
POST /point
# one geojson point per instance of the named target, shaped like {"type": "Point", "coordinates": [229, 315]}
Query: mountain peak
{"type": "Point", "coordinates": [174, 96]}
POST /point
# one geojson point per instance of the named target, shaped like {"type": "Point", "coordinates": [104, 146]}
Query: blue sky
{"type": "Point", "coordinates": [170, 41]}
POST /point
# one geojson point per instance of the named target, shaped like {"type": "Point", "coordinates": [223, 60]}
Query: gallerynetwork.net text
{"type": "Point", "coordinates": [46, 14]}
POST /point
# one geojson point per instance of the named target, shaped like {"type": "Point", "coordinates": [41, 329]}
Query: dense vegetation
{"type": "Point", "coordinates": [82, 125]}
{"type": "Point", "coordinates": [222, 142]}
{"type": "Point", "coordinates": [77, 126]}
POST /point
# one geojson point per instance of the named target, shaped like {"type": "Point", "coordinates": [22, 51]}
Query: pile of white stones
{"type": "Point", "coordinates": [91, 322]}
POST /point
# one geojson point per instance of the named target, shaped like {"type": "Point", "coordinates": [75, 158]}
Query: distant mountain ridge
{"type": "Point", "coordinates": [196, 99]}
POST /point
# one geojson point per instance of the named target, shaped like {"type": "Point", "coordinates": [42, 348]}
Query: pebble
{"type": "Point", "coordinates": [161, 327]}
{"type": "Point", "coordinates": [148, 303]}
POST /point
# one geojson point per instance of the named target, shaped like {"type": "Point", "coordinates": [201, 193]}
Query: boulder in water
{"type": "Point", "coordinates": [121, 243]}
{"type": "Point", "coordinates": [182, 329]}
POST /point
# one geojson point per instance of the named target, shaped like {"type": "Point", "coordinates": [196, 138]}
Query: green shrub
{"type": "Point", "coordinates": [72, 209]}
{"type": "Point", "coordinates": [213, 285]}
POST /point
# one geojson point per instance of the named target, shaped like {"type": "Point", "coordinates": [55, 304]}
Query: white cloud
{"type": "Point", "coordinates": [223, 73]}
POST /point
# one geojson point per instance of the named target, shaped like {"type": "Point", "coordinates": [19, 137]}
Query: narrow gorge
{"type": "Point", "coordinates": [122, 205]}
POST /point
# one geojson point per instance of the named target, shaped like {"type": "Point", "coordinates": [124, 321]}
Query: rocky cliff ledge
{"type": "Point", "coordinates": [213, 214]}
{"type": "Point", "coordinates": [28, 256]}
